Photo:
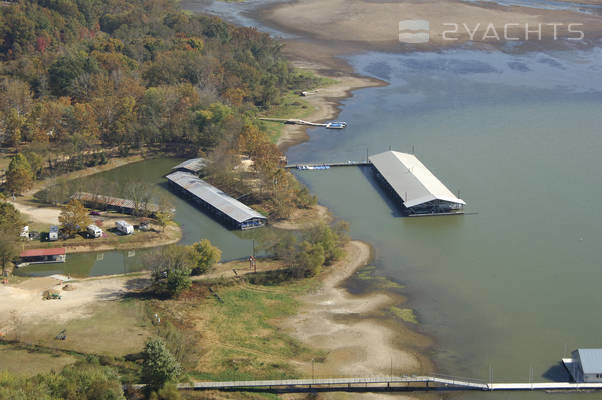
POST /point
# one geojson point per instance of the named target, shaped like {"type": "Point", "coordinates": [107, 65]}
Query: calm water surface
{"type": "Point", "coordinates": [520, 137]}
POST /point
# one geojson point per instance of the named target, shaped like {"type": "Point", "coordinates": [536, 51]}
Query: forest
{"type": "Point", "coordinates": [80, 78]}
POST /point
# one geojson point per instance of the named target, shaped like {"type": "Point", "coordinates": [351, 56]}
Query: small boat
{"type": "Point", "coordinates": [336, 125]}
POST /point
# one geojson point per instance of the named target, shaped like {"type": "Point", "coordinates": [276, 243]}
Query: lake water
{"type": "Point", "coordinates": [520, 137]}
{"type": "Point", "coordinates": [517, 281]}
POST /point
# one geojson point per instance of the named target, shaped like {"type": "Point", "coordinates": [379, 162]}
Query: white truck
{"type": "Point", "coordinates": [53, 234]}
{"type": "Point", "coordinates": [94, 231]}
{"type": "Point", "coordinates": [124, 227]}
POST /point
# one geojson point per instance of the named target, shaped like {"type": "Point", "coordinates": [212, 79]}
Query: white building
{"type": "Point", "coordinates": [585, 365]}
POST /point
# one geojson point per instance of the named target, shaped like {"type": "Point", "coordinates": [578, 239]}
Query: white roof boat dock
{"type": "Point", "coordinates": [218, 203]}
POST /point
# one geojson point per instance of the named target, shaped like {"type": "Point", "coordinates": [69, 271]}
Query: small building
{"type": "Point", "coordinates": [416, 189]}
{"type": "Point", "coordinates": [585, 365]}
{"type": "Point", "coordinates": [42, 256]}
{"type": "Point", "coordinates": [194, 165]}
{"type": "Point", "coordinates": [124, 206]}
{"type": "Point", "coordinates": [229, 210]}
{"type": "Point", "coordinates": [124, 227]}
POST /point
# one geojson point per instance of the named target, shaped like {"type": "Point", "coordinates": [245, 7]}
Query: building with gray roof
{"type": "Point", "coordinates": [231, 211]}
{"type": "Point", "coordinates": [194, 165]}
{"type": "Point", "coordinates": [585, 365]}
{"type": "Point", "coordinates": [418, 191]}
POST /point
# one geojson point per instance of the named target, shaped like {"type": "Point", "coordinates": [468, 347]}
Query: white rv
{"type": "Point", "coordinates": [124, 227]}
{"type": "Point", "coordinates": [53, 234]}
{"type": "Point", "coordinates": [94, 231]}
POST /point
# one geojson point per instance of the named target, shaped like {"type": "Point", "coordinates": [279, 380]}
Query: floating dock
{"type": "Point", "coordinates": [229, 210]}
{"type": "Point", "coordinates": [293, 121]}
{"type": "Point", "coordinates": [416, 190]}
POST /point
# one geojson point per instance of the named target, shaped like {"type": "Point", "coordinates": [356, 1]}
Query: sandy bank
{"type": "Point", "coordinates": [325, 101]}
{"type": "Point", "coordinates": [339, 27]}
{"type": "Point", "coordinates": [332, 320]}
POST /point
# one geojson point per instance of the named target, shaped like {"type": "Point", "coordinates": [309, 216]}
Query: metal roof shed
{"type": "Point", "coordinates": [412, 181]}
{"type": "Point", "coordinates": [192, 165]}
{"type": "Point", "coordinates": [222, 205]}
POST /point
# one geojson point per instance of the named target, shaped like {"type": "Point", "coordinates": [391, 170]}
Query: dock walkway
{"type": "Point", "coordinates": [327, 164]}
{"type": "Point", "coordinates": [388, 383]}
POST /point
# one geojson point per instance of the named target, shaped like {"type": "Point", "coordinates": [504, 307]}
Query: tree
{"type": "Point", "coordinates": [159, 366]}
{"type": "Point", "coordinates": [178, 280]}
{"type": "Point", "coordinates": [11, 220]}
{"type": "Point", "coordinates": [310, 259]}
{"type": "Point", "coordinates": [8, 250]}
{"type": "Point", "coordinates": [165, 213]}
{"type": "Point", "coordinates": [204, 255]}
{"type": "Point", "coordinates": [74, 217]}
{"type": "Point", "coordinates": [13, 125]}
{"type": "Point", "coordinates": [19, 177]}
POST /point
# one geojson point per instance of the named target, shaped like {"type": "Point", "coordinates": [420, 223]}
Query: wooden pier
{"type": "Point", "coordinates": [327, 164]}
{"type": "Point", "coordinates": [384, 384]}
{"type": "Point", "coordinates": [293, 121]}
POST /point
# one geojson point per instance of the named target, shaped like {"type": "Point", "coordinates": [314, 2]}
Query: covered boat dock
{"type": "Point", "coordinates": [417, 190]}
{"type": "Point", "coordinates": [229, 210]}
{"type": "Point", "coordinates": [42, 256]}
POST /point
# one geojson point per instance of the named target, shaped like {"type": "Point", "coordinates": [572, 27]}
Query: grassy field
{"type": "Point", "coordinates": [29, 363]}
{"type": "Point", "coordinates": [114, 328]}
{"type": "Point", "coordinates": [239, 337]}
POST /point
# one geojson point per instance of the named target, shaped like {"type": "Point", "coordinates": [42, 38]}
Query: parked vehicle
{"type": "Point", "coordinates": [53, 234]}
{"type": "Point", "coordinates": [96, 213]}
{"type": "Point", "coordinates": [124, 227]}
{"type": "Point", "coordinates": [25, 232]}
{"type": "Point", "coordinates": [94, 231]}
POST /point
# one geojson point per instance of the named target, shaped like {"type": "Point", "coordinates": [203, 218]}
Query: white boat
{"type": "Point", "coordinates": [336, 125]}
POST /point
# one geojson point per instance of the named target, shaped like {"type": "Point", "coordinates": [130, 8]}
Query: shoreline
{"type": "Point", "coordinates": [326, 101]}
{"type": "Point", "coordinates": [350, 327]}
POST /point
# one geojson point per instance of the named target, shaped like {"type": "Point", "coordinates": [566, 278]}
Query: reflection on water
{"type": "Point", "coordinates": [519, 135]}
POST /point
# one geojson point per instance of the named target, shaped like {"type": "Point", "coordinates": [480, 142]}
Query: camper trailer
{"type": "Point", "coordinates": [94, 231]}
{"type": "Point", "coordinates": [53, 234]}
{"type": "Point", "coordinates": [124, 227]}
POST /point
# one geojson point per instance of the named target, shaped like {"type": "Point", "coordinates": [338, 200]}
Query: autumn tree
{"type": "Point", "coordinates": [204, 255]}
{"type": "Point", "coordinates": [74, 217]}
{"type": "Point", "coordinates": [19, 177]}
{"type": "Point", "coordinates": [11, 223]}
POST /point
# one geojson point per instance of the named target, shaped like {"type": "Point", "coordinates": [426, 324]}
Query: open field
{"type": "Point", "coordinates": [29, 363]}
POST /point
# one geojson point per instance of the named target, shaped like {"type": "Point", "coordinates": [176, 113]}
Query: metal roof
{"type": "Point", "coordinates": [113, 201]}
{"type": "Point", "coordinates": [410, 179]}
{"type": "Point", "coordinates": [591, 360]}
{"type": "Point", "coordinates": [192, 165]}
{"type": "Point", "coordinates": [43, 252]}
{"type": "Point", "coordinates": [212, 195]}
